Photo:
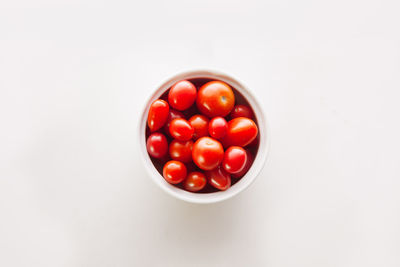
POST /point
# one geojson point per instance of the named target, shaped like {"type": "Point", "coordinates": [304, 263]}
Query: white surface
{"type": "Point", "coordinates": [73, 76]}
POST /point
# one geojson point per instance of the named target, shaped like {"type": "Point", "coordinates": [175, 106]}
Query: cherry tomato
{"type": "Point", "coordinates": [174, 171]}
{"type": "Point", "coordinates": [241, 111]}
{"type": "Point", "coordinates": [219, 178]}
{"type": "Point", "coordinates": [200, 125]}
{"type": "Point", "coordinates": [241, 132]}
{"type": "Point", "coordinates": [249, 162]}
{"type": "Point", "coordinates": [182, 95]}
{"type": "Point", "coordinates": [181, 129]}
{"type": "Point", "coordinates": [157, 145]}
{"type": "Point", "coordinates": [197, 161]}
{"type": "Point", "coordinates": [173, 114]}
{"type": "Point", "coordinates": [158, 114]}
{"type": "Point", "coordinates": [195, 181]}
{"type": "Point", "coordinates": [215, 98]}
{"type": "Point", "coordinates": [181, 150]}
{"type": "Point", "coordinates": [218, 127]}
{"type": "Point", "coordinates": [235, 159]}
{"type": "Point", "coordinates": [207, 153]}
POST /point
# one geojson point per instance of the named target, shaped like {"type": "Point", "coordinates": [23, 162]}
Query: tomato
{"type": "Point", "coordinates": [218, 127]}
{"type": "Point", "coordinates": [182, 95]}
{"type": "Point", "coordinates": [157, 145]}
{"type": "Point", "coordinates": [158, 114]}
{"type": "Point", "coordinates": [241, 132]}
{"type": "Point", "coordinates": [181, 129]}
{"type": "Point", "coordinates": [235, 159]}
{"type": "Point", "coordinates": [241, 111]}
{"type": "Point", "coordinates": [181, 150]}
{"type": "Point", "coordinates": [215, 98]}
{"type": "Point", "coordinates": [207, 153]}
{"type": "Point", "coordinates": [219, 178]}
{"type": "Point", "coordinates": [195, 181]}
{"type": "Point", "coordinates": [200, 126]}
{"type": "Point", "coordinates": [249, 162]}
{"type": "Point", "coordinates": [173, 114]}
{"type": "Point", "coordinates": [201, 154]}
{"type": "Point", "coordinates": [174, 171]}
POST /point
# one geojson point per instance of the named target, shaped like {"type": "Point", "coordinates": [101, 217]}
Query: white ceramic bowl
{"type": "Point", "coordinates": [246, 180]}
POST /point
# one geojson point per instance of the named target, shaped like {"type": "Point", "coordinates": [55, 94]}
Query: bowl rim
{"type": "Point", "coordinates": [260, 157]}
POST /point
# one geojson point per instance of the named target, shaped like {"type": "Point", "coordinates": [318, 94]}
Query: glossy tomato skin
{"type": "Point", "coordinates": [158, 114]}
{"type": "Point", "coordinates": [200, 125]}
{"type": "Point", "coordinates": [207, 153]}
{"type": "Point", "coordinates": [174, 171]}
{"type": "Point", "coordinates": [235, 159]}
{"type": "Point", "coordinates": [241, 132]}
{"type": "Point", "coordinates": [181, 129]}
{"type": "Point", "coordinates": [219, 178]}
{"type": "Point", "coordinates": [249, 162]}
{"type": "Point", "coordinates": [215, 98]}
{"type": "Point", "coordinates": [195, 181]}
{"type": "Point", "coordinates": [241, 111]}
{"type": "Point", "coordinates": [157, 145]}
{"type": "Point", "coordinates": [218, 127]}
{"type": "Point", "coordinates": [182, 95]}
{"type": "Point", "coordinates": [181, 150]}
{"type": "Point", "coordinates": [173, 114]}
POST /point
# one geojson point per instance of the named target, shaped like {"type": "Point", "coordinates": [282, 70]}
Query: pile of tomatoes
{"type": "Point", "coordinates": [200, 136]}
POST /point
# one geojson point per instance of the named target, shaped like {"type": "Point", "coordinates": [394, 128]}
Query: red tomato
{"type": "Point", "coordinates": [158, 114]}
{"type": "Point", "coordinates": [157, 145]}
{"type": "Point", "coordinates": [173, 114]}
{"type": "Point", "coordinates": [241, 132]}
{"type": "Point", "coordinates": [182, 95]}
{"type": "Point", "coordinates": [241, 111]}
{"type": "Point", "coordinates": [195, 181]}
{"type": "Point", "coordinates": [174, 171]}
{"type": "Point", "coordinates": [235, 159]}
{"type": "Point", "coordinates": [200, 126]}
{"type": "Point", "coordinates": [215, 98]}
{"type": "Point", "coordinates": [181, 150]}
{"type": "Point", "coordinates": [181, 129]}
{"type": "Point", "coordinates": [207, 153]}
{"type": "Point", "coordinates": [219, 178]}
{"type": "Point", "coordinates": [218, 127]}
{"type": "Point", "coordinates": [249, 162]}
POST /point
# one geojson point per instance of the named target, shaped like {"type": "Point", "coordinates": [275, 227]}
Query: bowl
{"type": "Point", "coordinates": [260, 157]}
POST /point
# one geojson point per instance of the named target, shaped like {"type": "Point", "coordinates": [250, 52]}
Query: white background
{"type": "Point", "coordinates": [74, 76]}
